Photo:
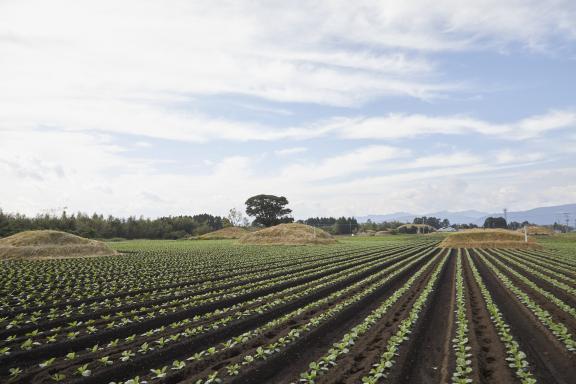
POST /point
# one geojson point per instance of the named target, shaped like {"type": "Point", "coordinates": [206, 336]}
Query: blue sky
{"type": "Point", "coordinates": [347, 108]}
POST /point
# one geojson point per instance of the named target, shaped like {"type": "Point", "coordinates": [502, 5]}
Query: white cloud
{"type": "Point", "coordinates": [507, 156]}
{"type": "Point", "coordinates": [446, 24]}
{"type": "Point", "coordinates": [150, 50]}
{"type": "Point", "coordinates": [157, 121]}
{"type": "Point", "coordinates": [75, 74]}
{"type": "Point", "coordinates": [442, 160]}
{"type": "Point", "coordinates": [141, 72]}
{"type": "Point", "coordinates": [398, 126]}
{"type": "Point", "coordinates": [92, 174]}
{"type": "Point", "coordinates": [290, 151]}
{"type": "Point", "coordinates": [346, 164]}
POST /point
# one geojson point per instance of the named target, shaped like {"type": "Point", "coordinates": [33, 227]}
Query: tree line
{"type": "Point", "coordinates": [100, 227]}
{"type": "Point", "coordinates": [335, 226]}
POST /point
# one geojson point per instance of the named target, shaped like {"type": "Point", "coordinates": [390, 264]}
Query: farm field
{"type": "Point", "coordinates": [396, 309]}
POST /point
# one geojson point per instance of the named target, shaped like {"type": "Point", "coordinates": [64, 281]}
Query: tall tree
{"type": "Point", "coordinates": [495, 222]}
{"type": "Point", "coordinates": [268, 210]}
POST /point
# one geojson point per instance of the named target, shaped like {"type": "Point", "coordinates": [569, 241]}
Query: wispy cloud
{"type": "Point", "coordinates": [371, 86]}
{"type": "Point", "coordinates": [345, 164]}
{"type": "Point", "coordinates": [397, 126]}
{"type": "Point", "coordinates": [290, 151]}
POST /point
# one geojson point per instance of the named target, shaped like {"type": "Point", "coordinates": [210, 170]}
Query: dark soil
{"type": "Point", "coordinates": [367, 350]}
{"type": "Point", "coordinates": [558, 315]}
{"type": "Point", "coordinates": [428, 357]}
{"type": "Point", "coordinates": [558, 292]}
{"type": "Point", "coordinates": [488, 352]}
{"type": "Point", "coordinates": [550, 361]}
{"type": "Point", "coordinates": [316, 343]}
{"type": "Point", "coordinates": [187, 347]}
{"type": "Point", "coordinates": [59, 349]}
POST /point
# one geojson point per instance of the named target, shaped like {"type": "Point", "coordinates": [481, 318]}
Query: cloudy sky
{"type": "Point", "coordinates": [134, 107]}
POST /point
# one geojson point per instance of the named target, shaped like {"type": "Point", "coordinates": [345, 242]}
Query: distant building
{"type": "Point", "coordinates": [447, 229]}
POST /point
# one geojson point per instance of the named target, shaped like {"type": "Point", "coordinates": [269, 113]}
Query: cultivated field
{"type": "Point", "coordinates": [392, 310]}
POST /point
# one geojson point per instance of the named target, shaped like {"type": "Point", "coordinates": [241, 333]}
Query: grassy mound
{"type": "Point", "coordinates": [535, 230]}
{"type": "Point", "coordinates": [50, 245]}
{"type": "Point", "coordinates": [225, 233]}
{"type": "Point", "coordinates": [488, 238]}
{"type": "Point", "coordinates": [288, 234]}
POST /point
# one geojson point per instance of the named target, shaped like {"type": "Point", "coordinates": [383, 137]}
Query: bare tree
{"type": "Point", "coordinates": [235, 217]}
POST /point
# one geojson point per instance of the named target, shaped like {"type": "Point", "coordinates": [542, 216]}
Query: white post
{"type": "Point", "coordinates": [525, 233]}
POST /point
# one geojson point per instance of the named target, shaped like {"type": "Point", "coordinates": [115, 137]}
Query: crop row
{"type": "Point", "coordinates": [516, 357]}
{"type": "Point", "coordinates": [558, 329]}
{"type": "Point", "coordinates": [77, 329]}
{"type": "Point", "coordinates": [290, 336]}
{"type": "Point", "coordinates": [207, 323]}
{"type": "Point", "coordinates": [105, 310]}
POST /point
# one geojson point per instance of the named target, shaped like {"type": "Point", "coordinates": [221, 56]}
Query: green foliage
{"type": "Point", "coordinates": [100, 227]}
{"type": "Point", "coordinates": [268, 210]}
{"type": "Point", "coordinates": [335, 226]}
{"type": "Point", "coordinates": [434, 222]}
{"type": "Point", "coordinates": [495, 222]}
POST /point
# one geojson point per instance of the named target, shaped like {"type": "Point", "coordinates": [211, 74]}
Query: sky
{"type": "Point", "coordinates": [154, 107]}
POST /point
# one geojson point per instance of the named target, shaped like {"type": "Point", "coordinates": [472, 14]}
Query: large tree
{"type": "Point", "coordinates": [495, 222]}
{"type": "Point", "coordinates": [268, 210]}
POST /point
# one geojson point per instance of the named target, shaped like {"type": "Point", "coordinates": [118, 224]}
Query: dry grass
{"type": "Point", "coordinates": [488, 238]}
{"type": "Point", "coordinates": [288, 234]}
{"type": "Point", "coordinates": [50, 245]}
{"type": "Point", "coordinates": [535, 230]}
{"type": "Point", "coordinates": [225, 233]}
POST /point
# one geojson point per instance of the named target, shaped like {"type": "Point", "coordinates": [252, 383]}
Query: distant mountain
{"type": "Point", "coordinates": [404, 217]}
{"type": "Point", "coordinates": [540, 216]}
{"type": "Point", "coordinates": [545, 215]}
{"type": "Point", "coordinates": [462, 217]}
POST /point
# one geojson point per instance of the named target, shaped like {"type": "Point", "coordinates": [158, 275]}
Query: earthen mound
{"type": "Point", "coordinates": [289, 234]}
{"type": "Point", "coordinates": [488, 238]}
{"type": "Point", "coordinates": [225, 233]}
{"type": "Point", "coordinates": [48, 244]}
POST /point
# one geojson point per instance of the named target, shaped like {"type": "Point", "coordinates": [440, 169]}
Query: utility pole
{"type": "Point", "coordinates": [525, 233]}
{"type": "Point", "coordinates": [506, 215]}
